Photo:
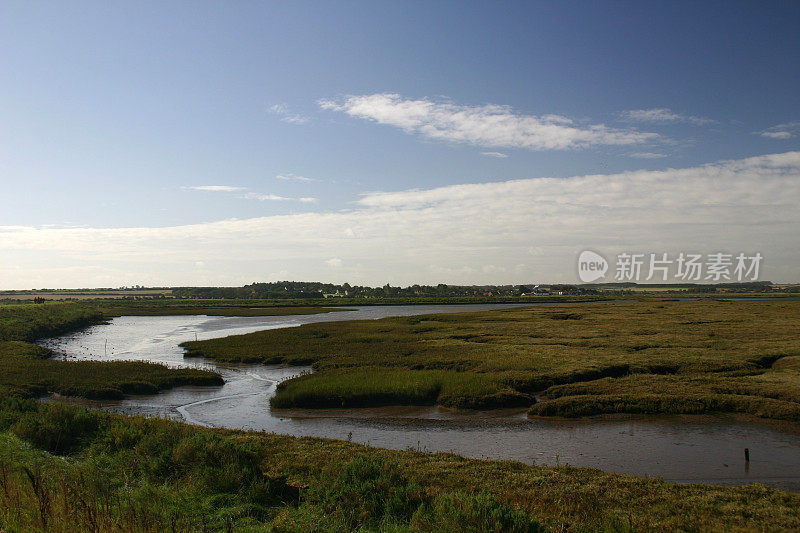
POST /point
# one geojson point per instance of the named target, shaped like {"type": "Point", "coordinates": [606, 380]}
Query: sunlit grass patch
{"type": "Point", "coordinates": [365, 387]}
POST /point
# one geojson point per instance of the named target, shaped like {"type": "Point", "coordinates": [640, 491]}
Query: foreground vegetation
{"type": "Point", "coordinates": [582, 359]}
{"type": "Point", "coordinates": [65, 469]}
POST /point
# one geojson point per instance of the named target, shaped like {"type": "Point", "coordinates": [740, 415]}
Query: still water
{"type": "Point", "coordinates": [685, 448]}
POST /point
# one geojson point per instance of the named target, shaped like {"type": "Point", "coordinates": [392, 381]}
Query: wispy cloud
{"type": "Point", "coordinates": [781, 131]}
{"type": "Point", "coordinates": [265, 197]}
{"type": "Point", "coordinates": [293, 177]}
{"type": "Point", "coordinates": [647, 155]}
{"type": "Point", "coordinates": [486, 125]}
{"type": "Point", "coordinates": [249, 195]}
{"type": "Point", "coordinates": [662, 115]}
{"type": "Point", "coordinates": [415, 236]}
{"type": "Point", "coordinates": [286, 115]}
{"type": "Point", "coordinates": [213, 188]}
{"type": "Point", "coordinates": [269, 197]}
{"type": "Point", "coordinates": [500, 155]}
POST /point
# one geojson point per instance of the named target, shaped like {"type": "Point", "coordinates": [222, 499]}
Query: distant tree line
{"type": "Point", "coordinates": [314, 289]}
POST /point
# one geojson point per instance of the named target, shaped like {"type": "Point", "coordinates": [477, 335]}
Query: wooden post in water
{"type": "Point", "coordinates": [747, 455]}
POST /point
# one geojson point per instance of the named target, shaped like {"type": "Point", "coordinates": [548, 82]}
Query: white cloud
{"type": "Point", "coordinates": [781, 131]}
{"type": "Point", "coordinates": [252, 195]}
{"type": "Point", "coordinates": [777, 134]}
{"type": "Point", "coordinates": [500, 155]}
{"type": "Point", "coordinates": [274, 197]}
{"type": "Point", "coordinates": [286, 115]}
{"type": "Point", "coordinates": [213, 188]}
{"type": "Point", "coordinates": [293, 177]}
{"type": "Point", "coordinates": [528, 230]}
{"type": "Point", "coordinates": [334, 262]}
{"type": "Point", "coordinates": [486, 125]}
{"type": "Point", "coordinates": [647, 155]}
{"type": "Point", "coordinates": [663, 115]}
{"type": "Point", "coordinates": [265, 197]}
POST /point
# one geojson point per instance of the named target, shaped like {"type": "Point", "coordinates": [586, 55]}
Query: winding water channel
{"type": "Point", "coordinates": [678, 448]}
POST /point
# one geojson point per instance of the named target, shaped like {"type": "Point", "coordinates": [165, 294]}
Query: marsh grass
{"type": "Point", "coordinates": [25, 371]}
{"type": "Point", "coordinates": [29, 322]}
{"type": "Point", "coordinates": [582, 359]}
{"type": "Point", "coordinates": [334, 388]}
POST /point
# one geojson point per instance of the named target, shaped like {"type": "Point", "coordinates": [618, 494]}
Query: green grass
{"type": "Point", "coordinates": [65, 469]}
{"type": "Point", "coordinates": [583, 359]}
{"type": "Point", "coordinates": [387, 387]}
{"type": "Point", "coordinates": [25, 371]}
{"type": "Point", "coordinates": [28, 322]}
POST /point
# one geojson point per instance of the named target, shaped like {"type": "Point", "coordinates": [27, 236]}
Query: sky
{"type": "Point", "coordinates": [224, 143]}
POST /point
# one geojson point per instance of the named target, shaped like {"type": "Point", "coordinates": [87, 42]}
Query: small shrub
{"type": "Point", "coordinates": [57, 428]}
{"type": "Point", "coordinates": [367, 492]}
{"type": "Point", "coordinates": [472, 513]}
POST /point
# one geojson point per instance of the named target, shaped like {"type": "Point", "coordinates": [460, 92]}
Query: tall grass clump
{"type": "Point", "coordinates": [29, 322]}
{"type": "Point", "coordinates": [377, 386]}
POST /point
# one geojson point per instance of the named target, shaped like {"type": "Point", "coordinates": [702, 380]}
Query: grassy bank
{"type": "Point", "coordinates": [215, 309]}
{"type": "Point", "coordinates": [609, 357]}
{"type": "Point", "coordinates": [67, 469]}
{"type": "Point", "coordinates": [29, 322]}
{"type": "Point", "coordinates": [334, 388]}
{"type": "Point", "coordinates": [26, 370]}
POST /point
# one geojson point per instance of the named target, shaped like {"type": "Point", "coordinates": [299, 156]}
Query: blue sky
{"type": "Point", "coordinates": [150, 118]}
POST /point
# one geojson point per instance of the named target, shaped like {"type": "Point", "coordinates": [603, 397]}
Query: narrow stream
{"type": "Point", "coordinates": [679, 448]}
